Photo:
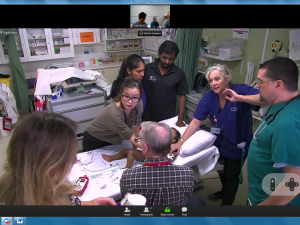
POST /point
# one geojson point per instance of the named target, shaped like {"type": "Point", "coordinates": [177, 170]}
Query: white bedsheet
{"type": "Point", "coordinates": [99, 171]}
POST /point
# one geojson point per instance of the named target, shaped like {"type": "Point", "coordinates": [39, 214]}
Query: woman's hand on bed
{"type": "Point", "coordinates": [180, 123]}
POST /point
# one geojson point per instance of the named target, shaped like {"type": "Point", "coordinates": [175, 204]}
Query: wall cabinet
{"type": "Point", "coordinates": [83, 36]}
{"type": "Point", "coordinates": [48, 43]}
{"type": "Point", "coordinates": [20, 45]}
{"type": "Point", "coordinates": [122, 40]}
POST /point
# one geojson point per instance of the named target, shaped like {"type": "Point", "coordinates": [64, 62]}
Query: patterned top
{"type": "Point", "coordinates": [163, 185]}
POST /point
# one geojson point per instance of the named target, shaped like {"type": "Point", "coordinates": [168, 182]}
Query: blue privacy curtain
{"type": "Point", "coordinates": [17, 73]}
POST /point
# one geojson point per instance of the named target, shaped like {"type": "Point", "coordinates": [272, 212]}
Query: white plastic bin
{"type": "Point", "coordinates": [231, 48]}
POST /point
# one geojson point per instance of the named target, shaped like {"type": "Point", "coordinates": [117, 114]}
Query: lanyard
{"type": "Point", "coordinates": [125, 114]}
{"type": "Point", "coordinates": [157, 164]}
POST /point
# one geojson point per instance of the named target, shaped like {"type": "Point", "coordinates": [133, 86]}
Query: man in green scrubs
{"type": "Point", "coordinates": [274, 148]}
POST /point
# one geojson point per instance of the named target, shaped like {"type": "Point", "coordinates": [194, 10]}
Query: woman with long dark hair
{"type": "Point", "coordinates": [132, 68]}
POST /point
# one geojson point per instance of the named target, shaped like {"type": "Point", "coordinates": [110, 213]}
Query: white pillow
{"type": "Point", "coordinates": [172, 123]}
{"type": "Point", "coordinates": [199, 141]}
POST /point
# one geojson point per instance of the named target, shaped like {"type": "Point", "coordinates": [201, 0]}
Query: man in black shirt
{"type": "Point", "coordinates": [165, 81]}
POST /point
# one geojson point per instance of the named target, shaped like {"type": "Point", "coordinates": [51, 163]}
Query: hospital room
{"type": "Point", "coordinates": [107, 116]}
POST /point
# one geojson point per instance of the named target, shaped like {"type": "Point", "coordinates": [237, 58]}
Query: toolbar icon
{"type": "Point", "coordinates": [6, 220]}
{"type": "Point", "coordinates": [167, 209]}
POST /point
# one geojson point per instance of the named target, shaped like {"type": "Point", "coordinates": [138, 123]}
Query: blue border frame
{"type": "Point", "coordinates": [149, 2]}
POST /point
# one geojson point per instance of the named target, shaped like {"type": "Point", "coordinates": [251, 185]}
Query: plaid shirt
{"type": "Point", "coordinates": [163, 185]}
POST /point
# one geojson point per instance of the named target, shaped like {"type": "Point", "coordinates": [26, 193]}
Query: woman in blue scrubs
{"type": "Point", "coordinates": [231, 123]}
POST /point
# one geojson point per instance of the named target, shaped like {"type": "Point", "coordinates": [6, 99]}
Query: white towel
{"type": "Point", "coordinates": [205, 160]}
{"type": "Point", "coordinates": [84, 159]}
{"type": "Point", "coordinates": [47, 77]}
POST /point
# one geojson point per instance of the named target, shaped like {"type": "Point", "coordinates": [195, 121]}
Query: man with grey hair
{"type": "Point", "coordinates": [166, 23]}
{"type": "Point", "coordinates": [158, 180]}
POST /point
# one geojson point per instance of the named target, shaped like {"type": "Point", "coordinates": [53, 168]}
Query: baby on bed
{"type": "Point", "coordinates": [137, 155]}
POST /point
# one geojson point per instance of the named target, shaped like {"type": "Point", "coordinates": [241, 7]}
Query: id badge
{"type": "Point", "coordinates": [215, 130]}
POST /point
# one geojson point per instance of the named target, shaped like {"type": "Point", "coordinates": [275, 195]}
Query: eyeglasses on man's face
{"type": "Point", "coordinates": [137, 139]}
{"type": "Point", "coordinates": [261, 81]}
{"type": "Point", "coordinates": [127, 98]}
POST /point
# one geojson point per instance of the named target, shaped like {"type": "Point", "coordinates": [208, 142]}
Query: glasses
{"type": "Point", "coordinates": [127, 98]}
{"type": "Point", "coordinates": [261, 81]}
{"type": "Point", "coordinates": [138, 139]}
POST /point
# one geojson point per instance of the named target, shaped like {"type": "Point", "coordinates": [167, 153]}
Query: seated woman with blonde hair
{"type": "Point", "coordinates": [40, 155]}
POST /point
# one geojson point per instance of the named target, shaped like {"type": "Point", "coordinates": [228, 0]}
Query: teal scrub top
{"type": "Point", "coordinates": [277, 144]}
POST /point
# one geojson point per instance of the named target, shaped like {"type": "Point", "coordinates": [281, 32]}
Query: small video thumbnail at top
{"type": "Point", "coordinates": [150, 16]}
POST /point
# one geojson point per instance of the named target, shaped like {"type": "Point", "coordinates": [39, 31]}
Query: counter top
{"type": "Point", "coordinates": [103, 66]}
{"type": "Point", "coordinates": [75, 97]}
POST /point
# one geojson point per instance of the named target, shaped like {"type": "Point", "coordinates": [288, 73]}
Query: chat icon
{"type": "Point", "coordinates": [184, 209]}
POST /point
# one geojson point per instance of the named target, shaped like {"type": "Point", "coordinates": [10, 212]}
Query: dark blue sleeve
{"type": "Point", "coordinates": [202, 111]}
{"type": "Point", "coordinates": [248, 90]}
{"type": "Point", "coordinates": [151, 25]}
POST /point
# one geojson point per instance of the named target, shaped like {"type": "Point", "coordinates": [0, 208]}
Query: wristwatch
{"type": "Point", "coordinates": [181, 140]}
{"type": "Point", "coordinates": [75, 200]}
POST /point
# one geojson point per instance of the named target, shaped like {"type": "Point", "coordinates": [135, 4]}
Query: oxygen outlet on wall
{"type": "Point", "coordinates": [276, 46]}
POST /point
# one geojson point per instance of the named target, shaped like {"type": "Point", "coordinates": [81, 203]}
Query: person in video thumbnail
{"type": "Point", "coordinates": [166, 23]}
{"type": "Point", "coordinates": [154, 23]}
{"type": "Point", "coordinates": [141, 22]}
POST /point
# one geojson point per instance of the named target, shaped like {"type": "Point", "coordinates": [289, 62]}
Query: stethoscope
{"type": "Point", "coordinates": [271, 117]}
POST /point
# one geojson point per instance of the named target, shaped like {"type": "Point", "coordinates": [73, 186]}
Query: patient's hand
{"type": "Point", "coordinates": [180, 123]}
{"type": "Point", "coordinates": [175, 149]}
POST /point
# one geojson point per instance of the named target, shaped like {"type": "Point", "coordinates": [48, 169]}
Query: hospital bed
{"type": "Point", "coordinates": [104, 177]}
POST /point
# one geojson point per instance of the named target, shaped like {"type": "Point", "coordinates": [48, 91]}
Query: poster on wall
{"type": "Point", "coordinates": [241, 33]}
{"type": "Point", "coordinates": [294, 53]}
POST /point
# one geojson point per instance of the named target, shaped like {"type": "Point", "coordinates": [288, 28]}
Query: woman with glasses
{"type": "Point", "coordinates": [119, 121]}
{"type": "Point", "coordinates": [231, 123]}
{"type": "Point", "coordinates": [132, 68]}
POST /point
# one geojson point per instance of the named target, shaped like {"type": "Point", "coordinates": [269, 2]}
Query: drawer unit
{"type": "Point", "coordinates": [191, 106]}
{"type": "Point", "coordinates": [84, 113]}
{"type": "Point", "coordinates": [60, 107]}
{"type": "Point", "coordinates": [79, 107]}
{"type": "Point", "coordinates": [82, 125]}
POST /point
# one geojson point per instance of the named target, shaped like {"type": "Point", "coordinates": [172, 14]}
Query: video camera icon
{"type": "Point", "coordinates": [291, 184]}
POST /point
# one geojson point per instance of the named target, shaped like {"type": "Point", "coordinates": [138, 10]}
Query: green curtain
{"type": "Point", "coordinates": [189, 44]}
{"type": "Point", "coordinates": [17, 73]}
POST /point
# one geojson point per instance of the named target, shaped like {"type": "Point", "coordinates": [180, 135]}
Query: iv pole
{"type": "Point", "coordinates": [264, 51]}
